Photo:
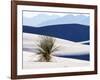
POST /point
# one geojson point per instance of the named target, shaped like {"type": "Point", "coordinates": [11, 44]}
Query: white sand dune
{"type": "Point", "coordinates": [66, 47]}
{"type": "Point", "coordinates": [29, 59]}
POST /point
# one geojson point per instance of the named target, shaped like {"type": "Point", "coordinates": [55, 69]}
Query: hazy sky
{"type": "Point", "coordinates": [39, 19]}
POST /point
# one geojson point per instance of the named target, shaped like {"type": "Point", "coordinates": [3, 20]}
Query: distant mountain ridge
{"type": "Point", "coordinates": [43, 19]}
{"type": "Point", "coordinates": [68, 19]}
{"type": "Point", "coordinates": [73, 32]}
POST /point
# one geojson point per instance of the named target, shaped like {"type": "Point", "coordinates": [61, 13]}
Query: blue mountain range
{"type": "Point", "coordinates": [43, 19]}
{"type": "Point", "coordinates": [72, 32]}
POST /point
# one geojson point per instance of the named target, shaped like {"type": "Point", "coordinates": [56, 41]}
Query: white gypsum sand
{"type": "Point", "coordinates": [66, 48]}
{"type": "Point", "coordinates": [56, 62]}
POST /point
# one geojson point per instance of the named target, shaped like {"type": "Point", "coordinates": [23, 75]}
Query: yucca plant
{"type": "Point", "coordinates": [46, 47]}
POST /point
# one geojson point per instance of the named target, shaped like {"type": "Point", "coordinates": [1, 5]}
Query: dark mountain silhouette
{"type": "Point", "coordinates": [73, 32]}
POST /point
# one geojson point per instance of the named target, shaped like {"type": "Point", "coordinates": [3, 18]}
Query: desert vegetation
{"type": "Point", "coordinates": [46, 46]}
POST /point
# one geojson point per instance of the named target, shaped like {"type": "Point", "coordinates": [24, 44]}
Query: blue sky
{"type": "Point", "coordinates": [40, 19]}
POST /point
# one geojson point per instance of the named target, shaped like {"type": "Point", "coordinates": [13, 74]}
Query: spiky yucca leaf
{"type": "Point", "coordinates": [46, 46]}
